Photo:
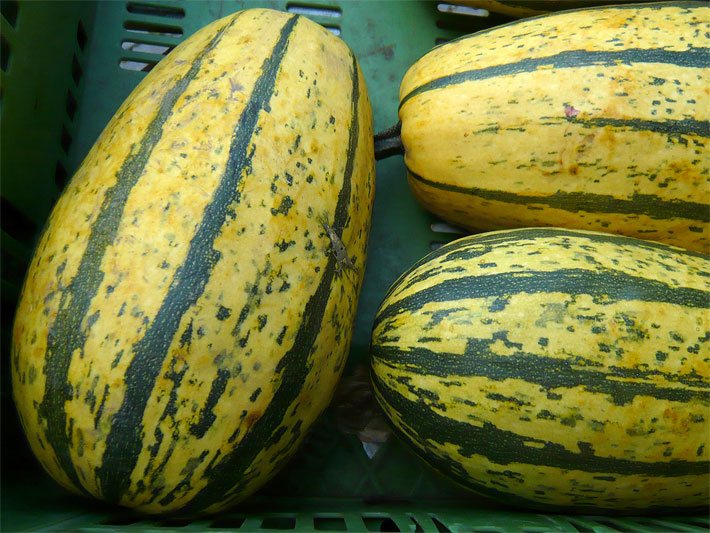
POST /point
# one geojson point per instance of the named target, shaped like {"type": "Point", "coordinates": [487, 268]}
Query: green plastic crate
{"type": "Point", "coordinates": [66, 67]}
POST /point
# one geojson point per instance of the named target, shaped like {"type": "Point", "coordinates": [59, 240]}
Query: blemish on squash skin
{"type": "Point", "coordinates": [570, 111]}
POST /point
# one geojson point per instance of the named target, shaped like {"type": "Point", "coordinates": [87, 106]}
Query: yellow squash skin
{"type": "Point", "coordinates": [531, 8]}
{"type": "Point", "coordinates": [184, 319]}
{"type": "Point", "coordinates": [554, 369]}
{"type": "Point", "coordinates": [594, 119]}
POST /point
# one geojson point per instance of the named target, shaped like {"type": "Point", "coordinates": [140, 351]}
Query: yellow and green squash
{"type": "Point", "coordinates": [554, 369]}
{"type": "Point", "coordinates": [596, 119]}
{"type": "Point", "coordinates": [185, 318]}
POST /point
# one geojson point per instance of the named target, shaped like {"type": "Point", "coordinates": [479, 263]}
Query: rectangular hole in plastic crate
{"type": "Point", "coordinates": [139, 26]}
{"type": "Point", "coordinates": [81, 35]}
{"type": "Point", "coordinates": [145, 47]}
{"type": "Point", "coordinates": [417, 526]}
{"type": "Point", "coordinates": [145, 8]}
{"type": "Point", "coordinates": [66, 140]}
{"type": "Point", "coordinates": [140, 66]}
{"type": "Point", "coordinates": [279, 522]}
{"type": "Point", "coordinates": [228, 522]}
{"type": "Point", "coordinates": [461, 10]}
{"type": "Point", "coordinates": [332, 28]}
{"type": "Point", "coordinates": [440, 526]}
{"type": "Point", "coordinates": [379, 523]}
{"type": "Point", "coordinates": [4, 53]}
{"type": "Point", "coordinates": [71, 104]}
{"type": "Point", "coordinates": [312, 10]}
{"type": "Point", "coordinates": [76, 70]}
{"type": "Point", "coordinates": [443, 227]}
{"type": "Point", "coordinates": [9, 9]}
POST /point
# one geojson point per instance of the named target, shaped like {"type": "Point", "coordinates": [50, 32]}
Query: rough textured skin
{"type": "Point", "coordinates": [554, 368]}
{"type": "Point", "coordinates": [595, 119]}
{"type": "Point", "coordinates": [182, 323]}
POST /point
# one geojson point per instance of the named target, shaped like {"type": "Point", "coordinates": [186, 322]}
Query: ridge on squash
{"type": "Point", "coordinates": [183, 321]}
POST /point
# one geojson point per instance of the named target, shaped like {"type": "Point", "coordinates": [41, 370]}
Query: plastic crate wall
{"type": "Point", "coordinates": [66, 67]}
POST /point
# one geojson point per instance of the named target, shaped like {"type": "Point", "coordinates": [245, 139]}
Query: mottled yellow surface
{"type": "Point", "coordinates": [647, 27]}
{"type": "Point", "coordinates": [595, 129]}
{"type": "Point", "coordinates": [604, 345]}
{"type": "Point", "coordinates": [271, 258]}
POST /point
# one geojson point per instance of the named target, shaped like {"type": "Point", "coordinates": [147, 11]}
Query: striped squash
{"type": "Point", "coordinates": [530, 8]}
{"type": "Point", "coordinates": [595, 119]}
{"type": "Point", "coordinates": [554, 369]}
{"type": "Point", "coordinates": [185, 317]}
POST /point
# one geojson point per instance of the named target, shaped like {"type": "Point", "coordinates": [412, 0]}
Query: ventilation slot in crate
{"type": "Point", "coordinates": [157, 50]}
{"type": "Point", "coordinates": [70, 105]}
{"type": "Point", "coordinates": [228, 522]}
{"type": "Point", "coordinates": [66, 140]}
{"type": "Point", "coordinates": [155, 10]}
{"type": "Point", "coordinates": [76, 70]}
{"type": "Point", "coordinates": [279, 522]}
{"type": "Point", "coordinates": [440, 526]}
{"type": "Point", "coordinates": [148, 44]}
{"type": "Point", "coordinates": [70, 102]}
{"type": "Point", "coordinates": [8, 9]}
{"type": "Point", "coordinates": [81, 36]}
{"type": "Point", "coordinates": [4, 53]}
{"type": "Point", "coordinates": [461, 10]}
{"type": "Point", "coordinates": [379, 523]}
{"type": "Point", "coordinates": [326, 16]}
{"type": "Point", "coordinates": [152, 28]}
{"type": "Point", "coordinates": [456, 20]}
{"type": "Point", "coordinates": [443, 227]}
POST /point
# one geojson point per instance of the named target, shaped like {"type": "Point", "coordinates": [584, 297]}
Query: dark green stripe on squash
{"type": "Point", "coordinates": [506, 447]}
{"type": "Point", "coordinates": [694, 58]}
{"type": "Point", "coordinates": [639, 204]}
{"type": "Point", "coordinates": [608, 285]}
{"type": "Point", "coordinates": [124, 441]}
{"type": "Point", "coordinates": [548, 372]}
{"type": "Point", "coordinates": [293, 367]}
{"type": "Point", "coordinates": [66, 334]}
{"type": "Point", "coordinates": [464, 249]}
